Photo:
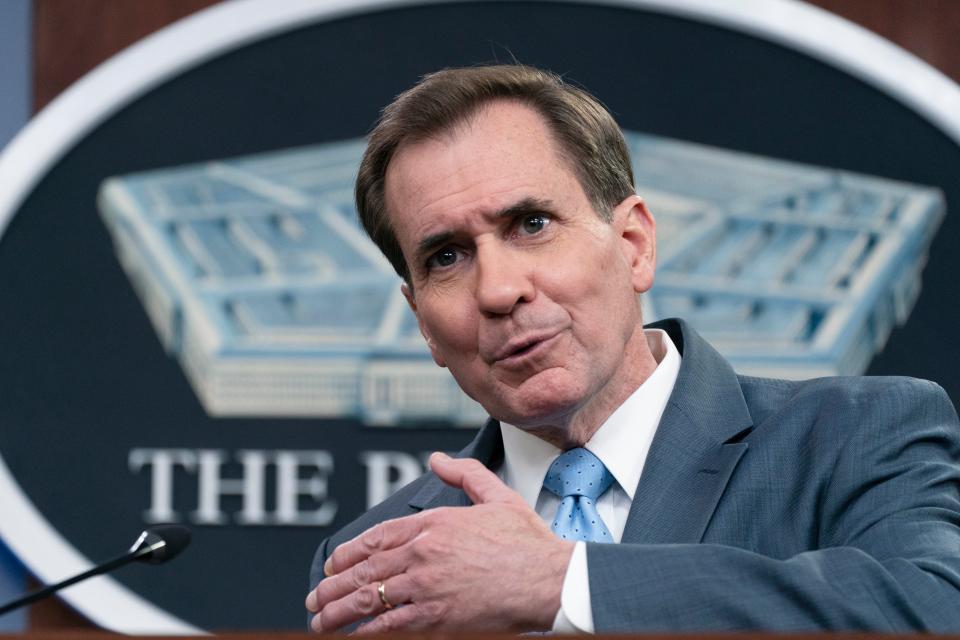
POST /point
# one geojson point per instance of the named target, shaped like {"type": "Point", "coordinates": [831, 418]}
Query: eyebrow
{"type": "Point", "coordinates": [432, 242]}
{"type": "Point", "coordinates": [523, 207]}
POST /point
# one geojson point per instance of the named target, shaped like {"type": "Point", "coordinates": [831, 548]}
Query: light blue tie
{"type": "Point", "coordinates": [578, 478]}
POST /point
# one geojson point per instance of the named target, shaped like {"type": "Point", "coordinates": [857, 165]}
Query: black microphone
{"type": "Point", "coordinates": [155, 545]}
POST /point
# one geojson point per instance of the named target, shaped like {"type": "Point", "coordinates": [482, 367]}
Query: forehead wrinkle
{"type": "Point", "coordinates": [449, 137]}
{"type": "Point", "coordinates": [486, 205]}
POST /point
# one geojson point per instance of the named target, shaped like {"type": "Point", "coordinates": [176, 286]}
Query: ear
{"type": "Point", "coordinates": [638, 236]}
{"type": "Point", "coordinates": [412, 301]}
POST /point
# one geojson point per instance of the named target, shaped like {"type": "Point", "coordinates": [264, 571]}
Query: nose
{"type": "Point", "coordinates": [503, 280]}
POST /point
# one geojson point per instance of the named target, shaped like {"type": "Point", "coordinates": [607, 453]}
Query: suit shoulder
{"type": "Point", "coordinates": [841, 387]}
{"type": "Point", "coordinates": [876, 399]}
{"type": "Point", "coordinates": [861, 389]}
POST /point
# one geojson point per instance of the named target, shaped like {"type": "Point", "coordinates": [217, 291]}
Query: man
{"type": "Point", "coordinates": [504, 199]}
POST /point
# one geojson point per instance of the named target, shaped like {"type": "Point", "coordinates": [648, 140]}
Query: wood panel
{"type": "Point", "coordinates": [927, 28]}
{"type": "Point", "coordinates": [71, 37]}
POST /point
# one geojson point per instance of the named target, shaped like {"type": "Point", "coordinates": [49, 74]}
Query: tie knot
{"type": "Point", "coordinates": [578, 472]}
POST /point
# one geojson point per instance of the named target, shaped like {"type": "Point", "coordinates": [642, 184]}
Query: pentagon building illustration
{"type": "Point", "coordinates": [259, 279]}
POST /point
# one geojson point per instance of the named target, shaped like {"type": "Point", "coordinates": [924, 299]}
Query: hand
{"type": "Point", "coordinates": [493, 566]}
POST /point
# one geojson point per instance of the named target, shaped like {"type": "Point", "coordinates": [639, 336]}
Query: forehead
{"type": "Point", "coordinates": [501, 155]}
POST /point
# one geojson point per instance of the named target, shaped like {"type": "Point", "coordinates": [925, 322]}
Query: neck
{"type": "Point", "coordinates": [576, 427]}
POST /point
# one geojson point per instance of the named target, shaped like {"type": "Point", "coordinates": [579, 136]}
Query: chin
{"type": "Point", "coordinates": [540, 402]}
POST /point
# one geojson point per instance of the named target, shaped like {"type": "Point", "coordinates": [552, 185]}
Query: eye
{"type": "Point", "coordinates": [446, 257]}
{"type": "Point", "coordinates": [533, 224]}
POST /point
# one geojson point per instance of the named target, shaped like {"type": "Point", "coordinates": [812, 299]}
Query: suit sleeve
{"type": "Point", "coordinates": [316, 572]}
{"type": "Point", "coordinates": [316, 569]}
{"type": "Point", "coordinates": [887, 555]}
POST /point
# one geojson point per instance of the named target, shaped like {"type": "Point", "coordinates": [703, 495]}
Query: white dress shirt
{"type": "Point", "coordinates": [621, 443]}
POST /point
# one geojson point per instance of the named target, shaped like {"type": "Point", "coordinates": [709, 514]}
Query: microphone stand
{"type": "Point", "coordinates": [136, 552]}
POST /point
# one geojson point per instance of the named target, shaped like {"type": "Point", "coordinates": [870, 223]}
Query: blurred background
{"type": "Point", "coordinates": [45, 45]}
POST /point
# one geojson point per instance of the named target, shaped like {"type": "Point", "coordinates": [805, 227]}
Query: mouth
{"type": "Point", "coordinates": [520, 351]}
{"type": "Point", "coordinates": [524, 349]}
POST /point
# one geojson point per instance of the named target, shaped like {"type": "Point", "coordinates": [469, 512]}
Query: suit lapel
{"type": "Point", "coordinates": [487, 447]}
{"type": "Point", "coordinates": [695, 450]}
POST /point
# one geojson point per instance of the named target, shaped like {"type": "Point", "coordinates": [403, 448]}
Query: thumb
{"type": "Point", "coordinates": [480, 484]}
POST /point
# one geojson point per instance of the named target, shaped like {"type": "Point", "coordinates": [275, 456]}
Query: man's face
{"type": "Point", "coordinates": [519, 287]}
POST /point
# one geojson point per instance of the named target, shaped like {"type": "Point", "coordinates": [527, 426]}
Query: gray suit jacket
{"type": "Point", "coordinates": [770, 504]}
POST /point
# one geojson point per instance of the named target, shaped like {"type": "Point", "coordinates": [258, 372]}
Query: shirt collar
{"type": "Point", "coordinates": [621, 443]}
{"type": "Point", "coordinates": [526, 459]}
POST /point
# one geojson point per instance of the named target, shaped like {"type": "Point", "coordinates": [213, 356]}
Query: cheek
{"type": "Point", "coordinates": [590, 278]}
{"type": "Point", "coordinates": [453, 327]}
{"type": "Point", "coordinates": [597, 293]}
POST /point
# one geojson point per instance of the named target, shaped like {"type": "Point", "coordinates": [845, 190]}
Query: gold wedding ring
{"type": "Point", "coordinates": [383, 597]}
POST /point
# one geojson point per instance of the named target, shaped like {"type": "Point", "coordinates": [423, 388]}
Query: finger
{"type": "Point", "coordinates": [377, 567]}
{"type": "Point", "coordinates": [386, 535]}
{"type": "Point", "coordinates": [481, 484]}
{"type": "Point", "coordinates": [362, 603]}
{"type": "Point", "coordinates": [408, 618]}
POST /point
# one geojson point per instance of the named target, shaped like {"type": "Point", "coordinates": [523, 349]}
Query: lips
{"type": "Point", "coordinates": [516, 350]}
